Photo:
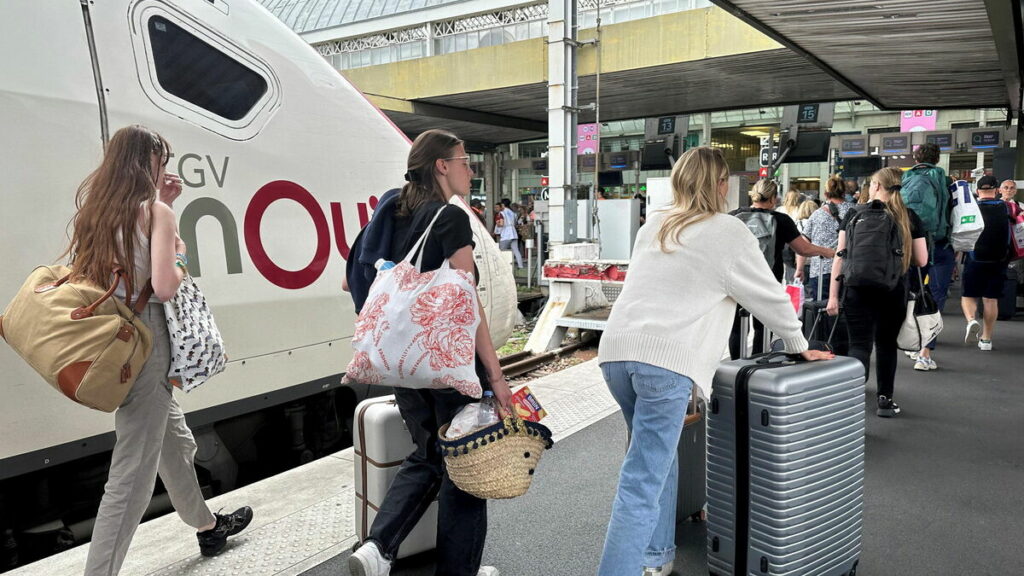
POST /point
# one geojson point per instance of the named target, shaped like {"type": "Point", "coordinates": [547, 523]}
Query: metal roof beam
{"type": "Point", "coordinates": [763, 28]}
{"type": "Point", "coordinates": [1005, 18]}
{"type": "Point", "coordinates": [453, 113]}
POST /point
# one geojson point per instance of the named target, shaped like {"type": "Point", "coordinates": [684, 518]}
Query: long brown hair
{"type": "Point", "coordinates": [422, 186]}
{"type": "Point", "coordinates": [695, 196]}
{"type": "Point", "coordinates": [891, 180]}
{"type": "Point", "coordinates": [103, 228]}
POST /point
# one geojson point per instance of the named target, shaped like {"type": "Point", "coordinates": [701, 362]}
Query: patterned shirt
{"type": "Point", "coordinates": [822, 229]}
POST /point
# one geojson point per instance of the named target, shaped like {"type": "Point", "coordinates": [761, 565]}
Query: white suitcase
{"type": "Point", "coordinates": [381, 442]}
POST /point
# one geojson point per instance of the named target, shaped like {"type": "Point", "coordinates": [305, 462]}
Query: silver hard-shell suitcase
{"type": "Point", "coordinates": [786, 467]}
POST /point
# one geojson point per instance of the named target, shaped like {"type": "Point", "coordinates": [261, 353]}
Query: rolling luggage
{"type": "Point", "coordinates": [785, 467]}
{"type": "Point", "coordinates": [693, 463]}
{"type": "Point", "coordinates": [381, 442]}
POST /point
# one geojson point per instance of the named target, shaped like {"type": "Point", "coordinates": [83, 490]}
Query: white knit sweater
{"type": "Point", "coordinates": [676, 310]}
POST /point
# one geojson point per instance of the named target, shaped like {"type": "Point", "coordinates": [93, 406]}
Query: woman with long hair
{"type": "Point", "coordinates": [874, 315]}
{"type": "Point", "coordinates": [654, 350]}
{"type": "Point", "coordinates": [438, 169]}
{"type": "Point", "coordinates": [125, 220]}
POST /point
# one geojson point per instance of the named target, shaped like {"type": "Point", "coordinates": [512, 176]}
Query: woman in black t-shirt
{"type": "Point", "coordinates": [438, 169]}
{"type": "Point", "coordinates": [874, 315]}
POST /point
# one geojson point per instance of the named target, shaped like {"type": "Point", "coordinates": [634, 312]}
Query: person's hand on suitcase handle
{"type": "Point", "coordinates": [812, 355]}
{"type": "Point", "coordinates": [832, 309]}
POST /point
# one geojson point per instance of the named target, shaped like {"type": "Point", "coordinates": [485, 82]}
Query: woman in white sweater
{"type": "Point", "coordinates": [691, 265]}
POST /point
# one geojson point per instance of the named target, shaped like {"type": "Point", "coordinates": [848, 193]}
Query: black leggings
{"type": "Point", "coordinates": [874, 317]}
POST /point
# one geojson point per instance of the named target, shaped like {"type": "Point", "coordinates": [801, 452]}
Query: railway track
{"type": "Point", "coordinates": [515, 365]}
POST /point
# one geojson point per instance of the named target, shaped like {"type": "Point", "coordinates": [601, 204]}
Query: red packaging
{"type": "Point", "coordinates": [527, 406]}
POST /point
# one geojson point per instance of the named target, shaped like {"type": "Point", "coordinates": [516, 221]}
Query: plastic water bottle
{"type": "Point", "coordinates": [382, 264]}
{"type": "Point", "coordinates": [487, 414]}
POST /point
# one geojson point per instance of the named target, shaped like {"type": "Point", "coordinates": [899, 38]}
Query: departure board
{"type": "Point", "coordinates": [853, 146]}
{"type": "Point", "coordinates": [896, 144]}
{"type": "Point", "coordinates": [944, 141]}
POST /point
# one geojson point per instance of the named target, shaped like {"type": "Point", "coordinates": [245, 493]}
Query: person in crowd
{"type": "Point", "coordinates": [791, 204]}
{"type": "Point", "coordinates": [651, 360]}
{"type": "Point", "coordinates": [1008, 191]}
{"type": "Point", "coordinates": [505, 228]}
{"type": "Point", "coordinates": [125, 219]}
{"type": "Point", "coordinates": [822, 229]}
{"type": "Point", "coordinates": [984, 274]}
{"type": "Point", "coordinates": [478, 209]}
{"type": "Point", "coordinates": [851, 191]}
{"type": "Point", "coordinates": [874, 315]}
{"type": "Point", "coordinates": [864, 196]}
{"type": "Point", "coordinates": [524, 227]}
{"type": "Point", "coordinates": [807, 208]}
{"type": "Point", "coordinates": [783, 231]}
{"type": "Point", "coordinates": [438, 168]}
{"type": "Point", "coordinates": [926, 192]}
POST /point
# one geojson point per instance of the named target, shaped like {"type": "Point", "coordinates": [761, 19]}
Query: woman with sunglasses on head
{"type": "Point", "coordinates": [874, 314]}
{"type": "Point", "coordinates": [125, 220]}
{"type": "Point", "coordinates": [438, 169]}
{"type": "Point", "coordinates": [655, 350]}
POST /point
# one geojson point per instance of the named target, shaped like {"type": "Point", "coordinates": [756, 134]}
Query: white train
{"type": "Point", "coordinates": [282, 161]}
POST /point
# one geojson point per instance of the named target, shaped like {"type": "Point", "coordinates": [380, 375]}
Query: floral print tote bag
{"type": "Point", "coordinates": [418, 329]}
{"type": "Point", "coordinates": [197, 349]}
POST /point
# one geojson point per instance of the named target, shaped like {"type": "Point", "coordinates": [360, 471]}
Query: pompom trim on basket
{"type": "Point", "coordinates": [510, 426]}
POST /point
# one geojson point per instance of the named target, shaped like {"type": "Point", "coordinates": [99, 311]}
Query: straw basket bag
{"type": "Point", "coordinates": [497, 461]}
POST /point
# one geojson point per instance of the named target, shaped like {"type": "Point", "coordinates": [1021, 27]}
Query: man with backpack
{"type": "Point", "coordinates": [985, 269]}
{"type": "Point", "coordinates": [926, 192]}
{"type": "Point", "coordinates": [773, 230]}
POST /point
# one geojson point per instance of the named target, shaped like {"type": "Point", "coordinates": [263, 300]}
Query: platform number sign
{"type": "Point", "coordinates": [666, 125]}
{"type": "Point", "coordinates": [769, 155]}
{"type": "Point", "coordinates": [807, 114]}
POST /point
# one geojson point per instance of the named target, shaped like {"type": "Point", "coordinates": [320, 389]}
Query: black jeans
{"type": "Point", "coordinates": [874, 317]}
{"type": "Point", "coordinates": [734, 337]}
{"type": "Point", "coordinates": [462, 519]}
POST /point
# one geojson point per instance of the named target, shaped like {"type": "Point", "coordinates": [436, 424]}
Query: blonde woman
{"type": "Point", "coordinates": [874, 315]}
{"type": "Point", "coordinates": [791, 203]}
{"type": "Point", "coordinates": [651, 360]}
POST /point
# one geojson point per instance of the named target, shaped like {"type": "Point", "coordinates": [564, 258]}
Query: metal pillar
{"type": "Point", "coordinates": [562, 121]}
{"type": "Point", "coordinates": [706, 125]}
{"type": "Point", "coordinates": [1018, 172]}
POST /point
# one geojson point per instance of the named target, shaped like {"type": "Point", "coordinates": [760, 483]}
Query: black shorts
{"type": "Point", "coordinates": [984, 279]}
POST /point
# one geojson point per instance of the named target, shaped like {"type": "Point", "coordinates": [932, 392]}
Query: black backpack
{"type": "Point", "coordinates": [873, 257]}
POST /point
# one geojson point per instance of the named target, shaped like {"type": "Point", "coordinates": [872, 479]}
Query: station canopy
{"type": "Point", "coordinates": [903, 54]}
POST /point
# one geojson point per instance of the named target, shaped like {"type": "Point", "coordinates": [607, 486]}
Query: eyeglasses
{"type": "Point", "coordinates": [466, 158]}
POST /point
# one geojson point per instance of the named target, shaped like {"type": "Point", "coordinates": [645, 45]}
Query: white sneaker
{"type": "Point", "coordinates": [910, 354]}
{"type": "Point", "coordinates": [663, 570]}
{"type": "Point", "coordinates": [931, 364]}
{"type": "Point", "coordinates": [922, 364]}
{"type": "Point", "coordinates": [985, 345]}
{"type": "Point", "coordinates": [368, 561]}
{"type": "Point", "coordinates": [973, 329]}
{"type": "Point", "coordinates": [488, 571]}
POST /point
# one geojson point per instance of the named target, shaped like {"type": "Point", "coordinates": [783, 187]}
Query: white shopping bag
{"type": "Point", "coordinates": [418, 329]}
{"type": "Point", "coordinates": [966, 220]}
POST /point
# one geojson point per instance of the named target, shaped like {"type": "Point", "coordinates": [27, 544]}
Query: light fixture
{"type": "Point", "coordinates": [754, 132]}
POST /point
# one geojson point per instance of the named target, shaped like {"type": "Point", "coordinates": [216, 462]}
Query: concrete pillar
{"type": "Point", "coordinates": [562, 121]}
{"type": "Point", "coordinates": [706, 125]}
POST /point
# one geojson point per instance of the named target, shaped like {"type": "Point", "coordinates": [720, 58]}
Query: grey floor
{"type": "Point", "coordinates": [944, 490]}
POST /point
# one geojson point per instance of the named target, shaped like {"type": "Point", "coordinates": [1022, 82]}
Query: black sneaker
{"type": "Point", "coordinates": [886, 407]}
{"type": "Point", "coordinates": [212, 541]}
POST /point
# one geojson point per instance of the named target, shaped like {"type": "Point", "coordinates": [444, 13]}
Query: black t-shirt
{"type": "Point", "coordinates": [994, 243]}
{"type": "Point", "coordinates": [785, 232]}
{"type": "Point", "coordinates": [451, 232]}
{"type": "Point", "coordinates": [916, 225]}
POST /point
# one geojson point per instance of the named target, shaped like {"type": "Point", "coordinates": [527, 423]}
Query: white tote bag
{"type": "Point", "coordinates": [966, 219]}
{"type": "Point", "coordinates": [197, 349]}
{"type": "Point", "coordinates": [418, 329]}
{"type": "Point", "coordinates": [923, 321]}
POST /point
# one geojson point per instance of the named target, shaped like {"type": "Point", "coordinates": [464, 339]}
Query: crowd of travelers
{"type": "Point", "coordinates": [651, 361]}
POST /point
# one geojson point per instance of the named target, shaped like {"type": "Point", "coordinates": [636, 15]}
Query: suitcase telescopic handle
{"type": "Point", "coordinates": [767, 358]}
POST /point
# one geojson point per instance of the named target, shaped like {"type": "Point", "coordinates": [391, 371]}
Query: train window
{"type": "Point", "coordinates": [200, 74]}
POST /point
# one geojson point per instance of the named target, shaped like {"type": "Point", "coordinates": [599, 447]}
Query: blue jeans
{"type": "Point", "coordinates": [940, 276]}
{"type": "Point", "coordinates": [642, 529]}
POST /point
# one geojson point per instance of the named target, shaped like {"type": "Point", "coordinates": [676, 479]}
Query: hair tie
{"type": "Point", "coordinates": [412, 176]}
{"type": "Point", "coordinates": [896, 188]}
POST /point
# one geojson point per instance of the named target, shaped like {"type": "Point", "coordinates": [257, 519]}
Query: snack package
{"type": "Point", "coordinates": [526, 405]}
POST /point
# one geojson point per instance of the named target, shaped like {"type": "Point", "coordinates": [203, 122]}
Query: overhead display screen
{"type": "Point", "coordinates": [944, 141]}
{"type": "Point", "coordinates": [853, 146]}
{"type": "Point", "coordinates": [896, 144]}
{"type": "Point", "coordinates": [986, 139]}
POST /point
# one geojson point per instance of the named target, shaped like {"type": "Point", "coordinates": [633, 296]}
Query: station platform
{"type": "Point", "coordinates": [943, 489]}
